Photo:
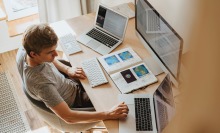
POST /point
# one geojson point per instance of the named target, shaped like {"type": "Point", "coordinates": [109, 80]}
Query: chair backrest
{"type": "Point", "coordinates": [48, 115]}
{"type": "Point", "coordinates": [54, 121]}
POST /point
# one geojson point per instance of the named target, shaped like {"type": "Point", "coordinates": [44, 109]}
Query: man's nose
{"type": "Point", "coordinates": [55, 53]}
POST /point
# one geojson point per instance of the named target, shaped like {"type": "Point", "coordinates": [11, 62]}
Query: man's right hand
{"type": "Point", "coordinates": [62, 110]}
{"type": "Point", "coordinates": [119, 111]}
{"type": "Point", "coordinates": [76, 72]}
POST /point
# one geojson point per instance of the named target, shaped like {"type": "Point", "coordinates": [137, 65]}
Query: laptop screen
{"type": "Point", "coordinates": [111, 21]}
{"type": "Point", "coordinates": [163, 101]}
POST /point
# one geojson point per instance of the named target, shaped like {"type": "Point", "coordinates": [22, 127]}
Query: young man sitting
{"type": "Point", "coordinates": [40, 72]}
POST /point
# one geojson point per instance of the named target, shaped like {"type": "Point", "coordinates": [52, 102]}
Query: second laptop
{"type": "Point", "coordinates": [108, 31]}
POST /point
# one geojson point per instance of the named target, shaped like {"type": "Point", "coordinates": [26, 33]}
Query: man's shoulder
{"type": "Point", "coordinates": [36, 76]}
{"type": "Point", "coordinates": [40, 74]}
{"type": "Point", "coordinates": [37, 80]}
{"type": "Point", "coordinates": [21, 53]}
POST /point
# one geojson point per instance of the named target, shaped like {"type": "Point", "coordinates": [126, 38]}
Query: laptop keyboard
{"type": "Point", "coordinates": [102, 38]}
{"type": "Point", "coordinates": [143, 114]}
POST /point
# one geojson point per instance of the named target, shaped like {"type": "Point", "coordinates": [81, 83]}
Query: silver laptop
{"type": "Point", "coordinates": [108, 31]}
{"type": "Point", "coordinates": [148, 113]}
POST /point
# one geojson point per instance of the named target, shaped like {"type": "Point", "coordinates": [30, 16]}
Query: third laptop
{"type": "Point", "coordinates": [148, 113]}
{"type": "Point", "coordinates": [108, 31]}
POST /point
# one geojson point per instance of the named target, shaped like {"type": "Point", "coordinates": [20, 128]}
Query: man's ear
{"type": "Point", "coordinates": [33, 54]}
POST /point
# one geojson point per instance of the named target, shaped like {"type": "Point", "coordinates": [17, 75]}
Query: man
{"type": "Point", "coordinates": [40, 71]}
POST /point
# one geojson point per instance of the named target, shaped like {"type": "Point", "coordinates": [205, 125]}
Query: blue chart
{"type": "Point", "coordinates": [140, 70]}
{"type": "Point", "coordinates": [111, 60]}
{"type": "Point", "coordinates": [125, 55]}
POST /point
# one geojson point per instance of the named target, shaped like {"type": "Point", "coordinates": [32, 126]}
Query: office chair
{"type": "Point", "coordinates": [54, 121]}
{"type": "Point", "coordinates": [51, 118]}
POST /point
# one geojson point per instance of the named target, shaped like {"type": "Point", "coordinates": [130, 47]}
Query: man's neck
{"type": "Point", "coordinates": [32, 62]}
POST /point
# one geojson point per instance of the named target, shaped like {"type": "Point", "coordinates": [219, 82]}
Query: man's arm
{"type": "Point", "coordinates": [70, 116]}
{"type": "Point", "coordinates": [60, 66]}
{"type": "Point", "coordinates": [70, 71]}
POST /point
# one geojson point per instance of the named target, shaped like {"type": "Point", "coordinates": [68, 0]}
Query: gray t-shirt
{"type": "Point", "coordinates": [45, 82]}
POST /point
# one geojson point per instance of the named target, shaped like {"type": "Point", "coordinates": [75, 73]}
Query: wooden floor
{"type": "Point", "coordinates": [8, 63]}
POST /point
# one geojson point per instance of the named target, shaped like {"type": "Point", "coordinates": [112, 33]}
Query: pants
{"type": "Point", "coordinates": [82, 100]}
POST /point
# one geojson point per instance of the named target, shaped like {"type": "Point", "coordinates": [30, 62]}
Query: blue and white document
{"type": "Point", "coordinates": [127, 70]}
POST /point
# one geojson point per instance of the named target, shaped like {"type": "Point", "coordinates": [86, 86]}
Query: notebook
{"type": "Point", "coordinates": [108, 31]}
{"type": "Point", "coordinates": [148, 113]}
{"type": "Point", "coordinates": [127, 70]}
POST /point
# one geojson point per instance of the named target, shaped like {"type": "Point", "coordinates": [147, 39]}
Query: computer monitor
{"type": "Point", "coordinates": [159, 38]}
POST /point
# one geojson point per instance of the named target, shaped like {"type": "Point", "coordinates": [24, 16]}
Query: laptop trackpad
{"type": "Point", "coordinates": [93, 44]}
{"type": "Point", "coordinates": [84, 39]}
{"type": "Point", "coordinates": [128, 125]}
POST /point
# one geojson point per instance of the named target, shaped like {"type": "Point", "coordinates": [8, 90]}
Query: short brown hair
{"type": "Point", "coordinates": [38, 37]}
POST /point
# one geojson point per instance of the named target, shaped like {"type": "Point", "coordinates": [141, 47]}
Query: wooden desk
{"type": "Point", "coordinates": [105, 96]}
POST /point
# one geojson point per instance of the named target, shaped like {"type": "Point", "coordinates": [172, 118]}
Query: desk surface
{"type": "Point", "coordinates": [105, 96]}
